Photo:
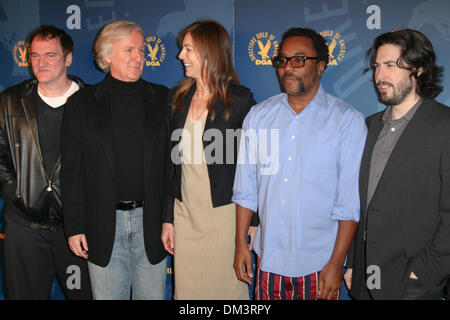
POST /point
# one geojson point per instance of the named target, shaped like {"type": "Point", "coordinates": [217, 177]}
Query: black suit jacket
{"type": "Point", "coordinates": [221, 175]}
{"type": "Point", "coordinates": [407, 222]}
{"type": "Point", "coordinates": [88, 182]}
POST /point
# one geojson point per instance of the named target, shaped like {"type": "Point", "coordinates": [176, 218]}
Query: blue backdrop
{"type": "Point", "coordinates": [255, 26]}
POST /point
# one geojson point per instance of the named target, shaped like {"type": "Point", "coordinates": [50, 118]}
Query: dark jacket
{"type": "Point", "coordinates": [405, 227]}
{"type": "Point", "coordinates": [88, 170]}
{"type": "Point", "coordinates": [22, 174]}
{"type": "Point", "coordinates": [221, 175]}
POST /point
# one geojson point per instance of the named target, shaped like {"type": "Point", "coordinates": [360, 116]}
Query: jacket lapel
{"type": "Point", "coordinates": [104, 123]}
{"type": "Point", "coordinates": [411, 136]}
{"type": "Point", "coordinates": [372, 135]}
{"type": "Point", "coordinates": [179, 117]}
{"type": "Point", "coordinates": [177, 121]}
{"type": "Point", "coordinates": [219, 109]}
{"type": "Point", "coordinates": [151, 126]}
{"type": "Point", "coordinates": [30, 109]}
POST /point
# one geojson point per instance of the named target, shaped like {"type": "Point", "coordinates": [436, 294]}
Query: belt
{"type": "Point", "coordinates": [129, 205]}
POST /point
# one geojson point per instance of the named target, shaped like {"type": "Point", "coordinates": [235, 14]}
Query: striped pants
{"type": "Point", "coordinates": [270, 286]}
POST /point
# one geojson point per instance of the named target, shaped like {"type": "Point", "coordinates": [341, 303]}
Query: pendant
{"type": "Point", "coordinates": [49, 189]}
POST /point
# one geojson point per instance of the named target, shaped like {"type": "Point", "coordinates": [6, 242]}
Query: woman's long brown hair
{"type": "Point", "coordinates": [213, 44]}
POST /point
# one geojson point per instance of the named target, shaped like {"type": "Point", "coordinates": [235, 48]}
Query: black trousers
{"type": "Point", "coordinates": [33, 257]}
{"type": "Point", "coordinates": [415, 290]}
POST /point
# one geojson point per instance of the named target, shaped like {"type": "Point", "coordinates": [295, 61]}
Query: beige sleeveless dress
{"type": "Point", "coordinates": [204, 236]}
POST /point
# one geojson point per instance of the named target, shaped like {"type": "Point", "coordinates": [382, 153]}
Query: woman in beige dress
{"type": "Point", "coordinates": [207, 109]}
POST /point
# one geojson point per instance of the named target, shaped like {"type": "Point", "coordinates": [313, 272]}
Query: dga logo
{"type": "Point", "coordinates": [267, 47]}
{"type": "Point", "coordinates": [336, 46]}
{"type": "Point", "coordinates": [20, 53]}
{"type": "Point", "coordinates": [155, 52]}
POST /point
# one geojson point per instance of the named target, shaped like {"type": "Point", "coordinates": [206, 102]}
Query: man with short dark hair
{"type": "Point", "coordinates": [30, 136]}
{"type": "Point", "coordinates": [308, 200]}
{"type": "Point", "coordinates": [402, 246]}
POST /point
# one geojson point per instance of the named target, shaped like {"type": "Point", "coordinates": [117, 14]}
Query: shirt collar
{"type": "Point", "coordinates": [319, 100]}
{"type": "Point", "coordinates": [387, 116]}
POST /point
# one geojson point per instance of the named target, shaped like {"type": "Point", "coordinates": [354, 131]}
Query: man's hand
{"type": "Point", "coordinates": [251, 234]}
{"type": "Point", "coordinates": [243, 264]}
{"type": "Point", "coordinates": [330, 278]}
{"type": "Point", "coordinates": [167, 237]}
{"type": "Point", "coordinates": [78, 245]}
{"type": "Point", "coordinates": [242, 257]}
{"type": "Point", "coordinates": [330, 281]}
{"type": "Point", "coordinates": [348, 275]}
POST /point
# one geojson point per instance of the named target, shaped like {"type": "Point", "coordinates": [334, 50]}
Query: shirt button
{"type": "Point", "coordinates": [17, 145]}
{"type": "Point", "coordinates": [289, 158]}
{"type": "Point", "coordinates": [293, 137]}
{"type": "Point", "coordinates": [282, 222]}
{"type": "Point", "coordinates": [285, 180]}
{"type": "Point", "coordinates": [283, 201]}
{"type": "Point", "coordinates": [393, 129]}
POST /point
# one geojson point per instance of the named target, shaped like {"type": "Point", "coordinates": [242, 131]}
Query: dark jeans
{"type": "Point", "coordinates": [33, 257]}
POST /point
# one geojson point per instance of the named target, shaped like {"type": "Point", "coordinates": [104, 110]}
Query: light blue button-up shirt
{"type": "Point", "coordinates": [300, 173]}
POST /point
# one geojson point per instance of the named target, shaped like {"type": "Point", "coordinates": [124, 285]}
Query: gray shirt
{"type": "Point", "coordinates": [386, 141]}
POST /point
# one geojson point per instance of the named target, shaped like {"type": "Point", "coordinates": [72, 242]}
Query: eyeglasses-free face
{"type": "Point", "coordinates": [296, 61]}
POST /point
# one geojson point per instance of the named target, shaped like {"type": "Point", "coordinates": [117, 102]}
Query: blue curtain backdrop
{"type": "Point", "coordinates": [255, 26]}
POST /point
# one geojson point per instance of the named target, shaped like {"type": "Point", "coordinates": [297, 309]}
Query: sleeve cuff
{"type": "Point", "coordinates": [339, 215]}
{"type": "Point", "coordinates": [248, 204]}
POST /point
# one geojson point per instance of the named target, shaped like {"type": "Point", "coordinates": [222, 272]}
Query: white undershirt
{"type": "Point", "coordinates": [59, 101]}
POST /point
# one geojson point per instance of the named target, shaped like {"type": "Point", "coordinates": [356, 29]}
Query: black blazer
{"type": "Point", "coordinates": [88, 182]}
{"type": "Point", "coordinates": [221, 176]}
{"type": "Point", "coordinates": [407, 222]}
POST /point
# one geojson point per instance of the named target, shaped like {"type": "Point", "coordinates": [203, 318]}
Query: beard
{"type": "Point", "coordinates": [399, 92]}
{"type": "Point", "coordinates": [292, 90]}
